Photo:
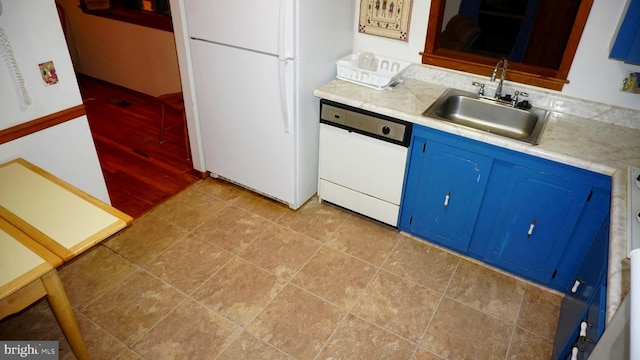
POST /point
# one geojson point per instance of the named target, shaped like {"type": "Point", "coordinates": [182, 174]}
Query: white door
{"type": "Point", "coordinates": [245, 136]}
{"type": "Point", "coordinates": [248, 24]}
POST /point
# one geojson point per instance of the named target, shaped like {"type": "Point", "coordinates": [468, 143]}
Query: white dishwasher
{"type": "Point", "coordinates": [362, 160]}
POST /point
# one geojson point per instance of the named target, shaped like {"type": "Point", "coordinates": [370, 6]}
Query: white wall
{"type": "Point", "coordinates": [30, 35]}
{"type": "Point", "coordinates": [66, 150]}
{"type": "Point", "coordinates": [402, 50]}
{"type": "Point", "coordinates": [593, 76]}
{"type": "Point", "coordinates": [133, 56]}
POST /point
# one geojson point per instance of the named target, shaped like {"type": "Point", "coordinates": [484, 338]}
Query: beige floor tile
{"type": "Point", "coordinates": [189, 208]}
{"type": "Point", "coordinates": [398, 305]}
{"type": "Point", "coordinates": [526, 345]}
{"type": "Point", "coordinates": [365, 239]}
{"type": "Point", "coordinates": [101, 345]}
{"type": "Point", "coordinates": [221, 189]}
{"type": "Point", "coordinates": [409, 260]}
{"type": "Point", "coordinates": [336, 277]}
{"type": "Point", "coordinates": [358, 339]}
{"type": "Point", "coordinates": [92, 274]}
{"type": "Point", "coordinates": [239, 291]}
{"type": "Point", "coordinates": [261, 205]}
{"type": "Point", "coordinates": [297, 323]}
{"type": "Point", "coordinates": [129, 355]}
{"type": "Point", "coordinates": [147, 237]}
{"type": "Point", "coordinates": [314, 219]}
{"type": "Point", "coordinates": [189, 263]}
{"type": "Point", "coordinates": [33, 323]}
{"type": "Point", "coordinates": [422, 354]}
{"type": "Point", "coordinates": [487, 290]}
{"type": "Point", "coordinates": [191, 331]}
{"type": "Point", "coordinates": [133, 307]}
{"type": "Point", "coordinates": [540, 311]}
{"type": "Point", "coordinates": [246, 346]}
{"type": "Point", "coordinates": [460, 332]}
{"type": "Point", "coordinates": [232, 229]}
{"type": "Point", "coordinates": [281, 251]}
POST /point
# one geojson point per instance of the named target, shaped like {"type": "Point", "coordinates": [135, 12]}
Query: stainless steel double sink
{"type": "Point", "coordinates": [467, 109]}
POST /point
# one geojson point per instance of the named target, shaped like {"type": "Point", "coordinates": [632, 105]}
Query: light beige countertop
{"type": "Point", "coordinates": [591, 136]}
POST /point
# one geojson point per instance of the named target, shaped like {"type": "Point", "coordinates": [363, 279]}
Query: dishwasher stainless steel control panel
{"type": "Point", "coordinates": [365, 122]}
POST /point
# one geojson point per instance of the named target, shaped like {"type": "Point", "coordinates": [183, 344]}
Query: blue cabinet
{"type": "Point", "coordinates": [585, 301]}
{"type": "Point", "coordinates": [536, 218]}
{"type": "Point", "coordinates": [446, 187]}
{"type": "Point", "coordinates": [626, 46]}
{"type": "Point", "coordinates": [532, 217]}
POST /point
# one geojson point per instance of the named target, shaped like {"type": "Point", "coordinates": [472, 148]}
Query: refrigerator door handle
{"type": "Point", "coordinates": [283, 95]}
{"type": "Point", "coordinates": [282, 32]}
{"type": "Point", "coordinates": [285, 59]}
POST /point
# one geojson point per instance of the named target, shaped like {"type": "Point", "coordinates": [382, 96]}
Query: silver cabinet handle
{"type": "Point", "coordinates": [583, 331]}
{"type": "Point", "coordinates": [531, 226]}
{"type": "Point", "coordinates": [574, 353]}
{"type": "Point", "coordinates": [576, 285]}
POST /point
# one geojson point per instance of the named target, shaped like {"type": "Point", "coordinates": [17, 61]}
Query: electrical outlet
{"type": "Point", "coordinates": [48, 73]}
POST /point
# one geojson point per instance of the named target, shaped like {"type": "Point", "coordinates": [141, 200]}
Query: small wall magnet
{"type": "Point", "coordinates": [48, 73]}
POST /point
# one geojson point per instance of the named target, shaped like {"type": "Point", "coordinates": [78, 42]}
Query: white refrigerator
{"type": "Point", "coordinates": [255, 65]}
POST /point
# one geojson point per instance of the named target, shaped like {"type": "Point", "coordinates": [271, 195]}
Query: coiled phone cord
{"type": "Point", "coordinates": [5, 45]}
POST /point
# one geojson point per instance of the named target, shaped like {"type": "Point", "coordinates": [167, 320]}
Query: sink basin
{"type": "Point", "coordinates": [467, 109]}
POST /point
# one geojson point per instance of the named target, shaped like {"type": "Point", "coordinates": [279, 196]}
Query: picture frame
{"type": "Point", "coordinates": [386, 18]}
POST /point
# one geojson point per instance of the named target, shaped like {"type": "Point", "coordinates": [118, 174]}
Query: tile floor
{"type": "Point", "coordinates": [218, 272]}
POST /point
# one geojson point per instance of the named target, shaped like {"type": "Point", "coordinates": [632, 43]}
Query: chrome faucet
{"type": "Point", "coordinates": [504, 63]}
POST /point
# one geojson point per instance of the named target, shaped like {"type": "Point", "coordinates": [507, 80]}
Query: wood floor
{"type": "Point", "coordinates": [139, 171]}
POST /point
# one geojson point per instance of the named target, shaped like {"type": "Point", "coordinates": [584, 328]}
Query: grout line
{"type": "Point", "coordinates": [362, 292]}
{"type": "Point", "coordinates": [515, 323]}
{"type": "Point", "coordinates": [115, 285]}
{"type": "Point", "coordinates": [288, 282]}
{"type": "Point", "coordinates": [437, 307]}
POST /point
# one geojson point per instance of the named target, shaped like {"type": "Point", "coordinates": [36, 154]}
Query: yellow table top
{"type": "Point", "coordinates": [61, 217]}
{"type": "Point", "coordinates": [22, 260]}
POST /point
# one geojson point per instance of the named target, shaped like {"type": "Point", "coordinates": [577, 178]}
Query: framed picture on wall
{"type": "Point", "coordinates": [387, 18]}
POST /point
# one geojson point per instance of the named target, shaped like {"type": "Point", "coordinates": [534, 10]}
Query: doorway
{"type": "Point", "coordinates": [140, 171]}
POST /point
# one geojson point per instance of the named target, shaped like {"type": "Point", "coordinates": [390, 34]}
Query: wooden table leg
{"type": "Point", "coordinates": [63, 311]}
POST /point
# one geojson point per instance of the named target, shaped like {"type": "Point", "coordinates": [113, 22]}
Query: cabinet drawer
{"type": "Point", "coordinates": [359, 202]}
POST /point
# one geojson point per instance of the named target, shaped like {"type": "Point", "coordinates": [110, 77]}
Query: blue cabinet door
{"type": "Point", "coordinates": [443, 193]}
{"type": "Point", "coordinates": [534, 222]}
{"type": "Point", "coordinates": [592, 229]}
{"type": "Point", "coordinates": [593, 269]}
